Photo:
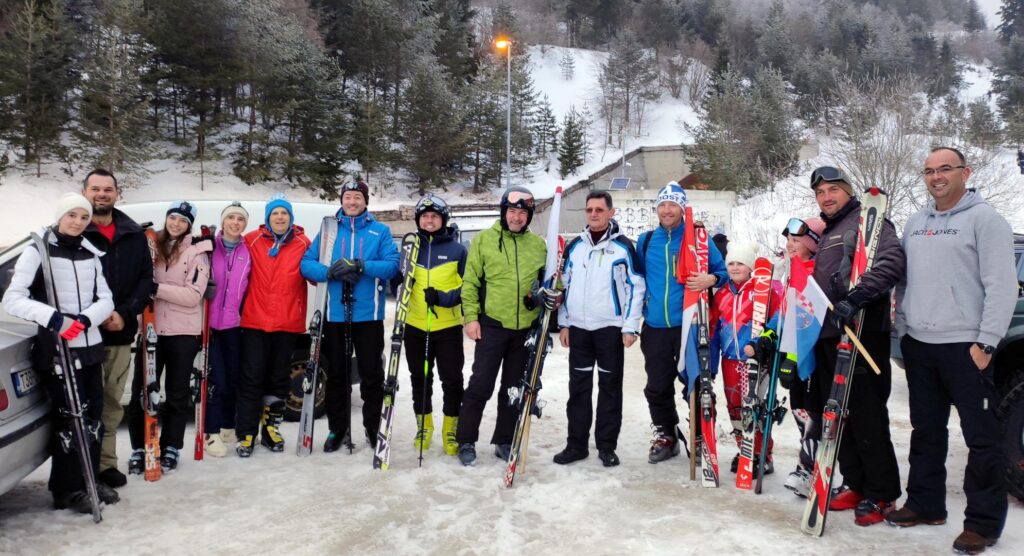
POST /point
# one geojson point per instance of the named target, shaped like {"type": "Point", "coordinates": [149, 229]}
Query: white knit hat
{"type": "Point", "coordinates": [745, 253]}
{"type": "Point", "coordinates": [68, 202]}
{"type": "Point", "coordinates": [233, 208]}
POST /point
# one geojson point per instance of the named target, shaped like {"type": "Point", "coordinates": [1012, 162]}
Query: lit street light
{"type": "Point", "coordinates": [504, 43]}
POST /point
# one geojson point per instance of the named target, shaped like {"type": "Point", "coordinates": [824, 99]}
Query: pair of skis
{"type": "Point", "coordinates": [150, 395]}
{"type": "Point", "coordinates": [81, 435]}
{"type": "Point", "coordinates": [201, 390]}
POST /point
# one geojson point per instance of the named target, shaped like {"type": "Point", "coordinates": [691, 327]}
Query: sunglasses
{"type": "Point", "coordinates": [796, 227]}
{"type": "Point", "coordinates": [519, 199]}
{"type": "Point", "coordinates": [829, 174]}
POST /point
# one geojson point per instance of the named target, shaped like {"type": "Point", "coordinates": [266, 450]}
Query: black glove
{"type": "Point", "coordinates": [211, 289]}
{"type": "Point", "coordinates": [840, 285]}
{"type": "Point", "coordinates": [152, 294]}
{"type": "Point", "coordinates": [843, 313]}
{"type": "Point", "coordinates": [430, 296]}
{"type": "Point", "coordinates": [787, 374]}
{"type": "Point", "coordinates": [349, 270]}
{"type": "Point", "coordinates": [764, 347]}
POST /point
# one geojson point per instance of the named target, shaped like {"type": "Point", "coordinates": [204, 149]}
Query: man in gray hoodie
{"type": "Point", "coordinates": [953, 307]}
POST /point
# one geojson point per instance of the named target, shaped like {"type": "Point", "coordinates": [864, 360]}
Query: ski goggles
{"type": "Point", "coordinates": [433, 203]}
{"type": "Point", "coordinates": [350, 186]}
{"type": "Point", "coordinates": [796, 227]}
{"type": "Point", "coordinates": [829, 174]}
{"type": "Point", "coordinates": [520, 199]}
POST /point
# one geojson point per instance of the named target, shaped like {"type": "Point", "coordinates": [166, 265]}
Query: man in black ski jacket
{"type": "Point", "coordinates": [128, 269]}
{"type": "Point", "coordinates": [866, 456]}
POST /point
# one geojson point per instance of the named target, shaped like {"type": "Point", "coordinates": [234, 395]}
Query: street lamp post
{"type": "Point", "coordinates": [506, 44]}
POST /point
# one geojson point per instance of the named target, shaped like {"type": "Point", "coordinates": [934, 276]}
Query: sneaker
{"type": "Point", "coordinates": [77, 501]}
{"type": "Point", "coordinates": [137, 462]}
{"type": "Point", "coordinates": [169, 459]}
{"type": "Point", "coordinates": [608, 458]}
{"type": "Point", "coordinates": [799, 482]}
{"type": "Point", "coordinates": [905, 517]}
{"type": "Point", "coordinates": [228, 436]}
{"type": "Point", "coordinates": [467, 454]}
{"type": "Point", "coordinates": [215, 446]}
{"type": "Point", "coordinates": [844, 498]}
{"type": "Point", "coordinates": [570, 455]}
{"type": "Point", "coordinates": [502, 451]}
{"type": "Point", "coordinates": [106, 494]}
{"type": "Point", "coordinates": [663, 447]}
{"type": "Point", "coordinates": [112, 478]}
{"type": "Point", "coordinates": [870, 511]}
{"type": "Point", "coordinates": [970, 542]}
{"type": "Point", "coordinates": [245, 446]}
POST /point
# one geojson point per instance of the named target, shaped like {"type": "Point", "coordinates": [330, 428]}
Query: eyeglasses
{"type": "Point", "coordinates": [796, 227]}
{"type": "Point", "coordinates": [829, 174]}
{"type": "Point", "coordinates": [944, 169]}
{"type": "Point", "coordinates": [520, 199]}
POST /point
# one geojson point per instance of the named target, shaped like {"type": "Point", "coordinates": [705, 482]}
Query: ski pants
{"type": "Point", "coordinates": [660, 347]}
{"type": "Point", "coordinates": [175, 355]}
{"type": "Point", "coordinates": [866, 456]}
{"type": "Point", "coordinates": [498, 348]}
{"type": "Point", "coordinates": [809, 425]}
{"type": "Point", "coordinates": [447, 356]}
{"type": "Point", "coordinates": [265, 376]}
{"type": "Point", "coordinates": [65, 469]}
{"type": "Point", "coordinates": [117, 367]}
{"type": "Point", "coordinates": [734, 379]}
{"type": "Point", "coordinates": [225, 360]}
{"type": "Point", "coordinates": [368, 344]}
{"type": "Point", "coordinates": [602, 351]}
{"type": "Point", "coordinates": [939, 375]}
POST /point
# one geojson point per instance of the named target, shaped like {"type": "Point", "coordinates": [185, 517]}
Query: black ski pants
{"type": "Point", "coordinates": [225, 361]}
{"type": "Point", "coordinates": [866, 455]}
{"type": "Point", "coordinates": [265, 376]}
{"type": "Point", "coordinates": [368, 344]}
{"type": "Point", "coordinates": [939, 375]}
{"type": "Point", "coordinates": [661, 358]}
{"type": "Point", "coordinates": [175, 355]}
{"type": "Point", "coordinates": [602, 351]}
{"type": "Point", "coordinates": [65, 470]}
{"type": "Point", "coordinates": [447, 356]}
{"type": "Point", "coordinates": [498, 348]}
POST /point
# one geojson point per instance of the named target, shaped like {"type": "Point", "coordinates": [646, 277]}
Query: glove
{"type": "Point", "coordinates": [764, 347]}
{"type": "Point", "coordinates": [68, 326]}
{"type": "Point", "coordinates": [349, 270]}
{"type": "Point", "coordinates": [211, 289]}
{"type": "Point", "coordinates": [843, 313]}
{"type": "Point", "coordinates": [152, 294]}
{"type": "Point", "coordinates": [430, 296]}
{"type": "Point", "coordinates": [550, 298]}
{"type": "Point", "coordinates": [787, 374]}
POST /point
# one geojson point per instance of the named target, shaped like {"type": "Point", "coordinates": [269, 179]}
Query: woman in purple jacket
{"type": "Point", "coordinates": [231, 264]}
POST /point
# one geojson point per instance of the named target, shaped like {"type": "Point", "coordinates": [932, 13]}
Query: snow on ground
{"type": "Point", "coordinates": [336, 503]}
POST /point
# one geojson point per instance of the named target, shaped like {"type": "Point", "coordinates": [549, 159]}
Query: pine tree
{"type": "Point", "coordinates": [571, 146]}
{"type": "Point", "coordinates": [1012, 20]}
{"type": "Point", "coordinates": [983, 127]}
{"type": "Point", "coordinates": [974, 20]}
{"type": "Point", "coordinates": [484, 104]}
{"type": "Point", "coordinates": [567, 63]}
{"type": "Point", "coordinates": [546, 129]}
{"type": "Point", "coordinates": [1009, 85]}
{"type": "Point", "coordinates": [431, 127]}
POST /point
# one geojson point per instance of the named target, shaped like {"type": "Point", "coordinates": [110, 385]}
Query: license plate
{"type": "Point", "coordinates": [25, 382]}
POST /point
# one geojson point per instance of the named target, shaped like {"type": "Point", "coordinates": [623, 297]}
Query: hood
{"type": "Point", "coordinates": [971, 198]}
{"type": "Point", "coordinates": [359, 221]}
{"type": "Point", "coordinates": [610, 233]}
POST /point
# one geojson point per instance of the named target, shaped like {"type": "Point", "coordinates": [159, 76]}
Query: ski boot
{"type": "Point", "coordinates": [245, 446]}
{"type": "Point", "coordinates": [424, 432]}
{"type": "Point", "coordinates": [467, 454]}
{"type": "Point", "coordinates": [137, 462]}
{"type": "Point", "coordinates": [337, 440]}
{"type": "Point", "coordinates": [799, 482]}
{"type": "Point", "coordinates": [77, 501]}
{"type": "Point", "coordinates": [270, 434]}
{"type": "Point", "coordinates": [448, 431]}
{"type": "Point", "coordinates": [107, 494]}
{"type": "Point", "coordinates": [169, 459]}
{"type": "Point", "coordinates": [664, 446]}
{"type": "Point", "coordinates": [502, 451]}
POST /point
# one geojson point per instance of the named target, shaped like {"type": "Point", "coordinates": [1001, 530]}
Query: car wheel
{"type": "Point", "coordinates": [1011, 413]}
{"type": "Point", "coordinates": [293, 407]}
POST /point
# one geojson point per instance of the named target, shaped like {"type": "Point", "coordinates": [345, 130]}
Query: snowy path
{"type": "Point", "coordinates": [335, 503]}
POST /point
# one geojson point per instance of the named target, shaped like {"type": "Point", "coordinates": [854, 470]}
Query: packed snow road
{"type": "Point", "coordinates": [335, 503]}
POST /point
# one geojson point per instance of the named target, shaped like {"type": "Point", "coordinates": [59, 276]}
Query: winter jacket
{"type": "Point", "coordinates": [81, 290]}
{"type": "Point", "coordinates": [659, 259]}
{"type": "Point", "coordinates": [440, 265]}
{"type": "Point", "coordinates": [276, 298]}
{"type": "Point", "coordinates": [128, 270]}
{"type": "Point", "coordinates": [359, 237]}
{"type": "Point", "coordinates": [178, 303]}
{"type": "Point", "coordinates": [501, 268]}
{"type": "Point", "coordinates": [603, 285]}
{"type": "Point", "coordinates": [231, 274]}
{"type": "Point", "coordinates": [961, 284]}
{"type": "Point", "coordinates": [732, 313]}
{"type": "Point", "coordinates": [835, 255]}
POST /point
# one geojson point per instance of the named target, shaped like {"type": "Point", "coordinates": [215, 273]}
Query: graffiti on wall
{"type": "Point", "coordinates": [636, 216]}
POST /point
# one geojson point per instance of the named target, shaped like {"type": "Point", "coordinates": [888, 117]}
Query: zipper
{"type": "Point", "coordinates": [519, 297]}
{"type": "Point", "coordinates": [668, 275]}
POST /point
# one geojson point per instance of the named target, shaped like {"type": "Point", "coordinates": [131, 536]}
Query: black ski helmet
{"type": "Point", "coordinates": [433, 203]}
{"type": "Point", "coordinates": [517, 197]}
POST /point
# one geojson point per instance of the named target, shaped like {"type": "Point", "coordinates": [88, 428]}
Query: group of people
{"type": "Point", "coordinates": [952, 271]}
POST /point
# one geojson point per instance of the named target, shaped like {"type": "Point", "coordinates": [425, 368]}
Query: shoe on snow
{"type": "Point", "coordinates": [905, 517]}
{"type": "Point", "coordinates": [228, 436]}
{"type": "Point", "coordinates": [424, 432]}
{"type": "Point", "coordinates": [449, 429]}
{"type": "Point", "coordinates": [336, 441]}
{"type": "Point", "coordinates": [870, 511]}
{"type": "Point", "coordinates": [77, 501]}
{"type": "Point", "coordinates": [844, 498]}
{"type": "Point", "coordinates": [502, 451]}
{"type": "Point", "coordinates": [769, 467]}
{"type": "Point", "coordinates": [106, 494]}
{"type": "Point", "coordinates": [608, 458]}
{"type": "Point", "coordinates": [570, 455]}
{"type": "Point", "coordinates": [735, 465]}
{"type": "Point", "coordinates": [970, 542]}
{"type": "Point", "coordinates": [169, 459]}
{"type": "Point", "coordinates": [663, 447]}
{"type": "Point", "coordinates": [371, 439]}
{"type": "Point", "coordinates": [270, 434]}
{"type": "Point", "coordinates": [467, 454]}
{"type": "Point", "coordinates": [215, 446]}
{"type": "Point", "coordinates": [137, 462]}
{"type": "Point", "coordinates": [799, 482]}
{"type": "Point", "coordinates": [112, 478]}
{"type": "Point", "coordinates": [245, 446]}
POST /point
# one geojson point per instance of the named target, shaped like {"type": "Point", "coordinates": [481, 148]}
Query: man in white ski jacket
{"type": "Point", "coordinates": [604, 296]}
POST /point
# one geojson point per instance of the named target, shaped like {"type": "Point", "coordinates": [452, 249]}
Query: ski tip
{"type": "Point", "coordinates": [874, 190]}
{"type": "Point", "coordinates": [558, 190]}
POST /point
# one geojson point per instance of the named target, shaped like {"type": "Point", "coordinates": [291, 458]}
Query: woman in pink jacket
{"type": "Point", "coordinates": [180, 275]}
